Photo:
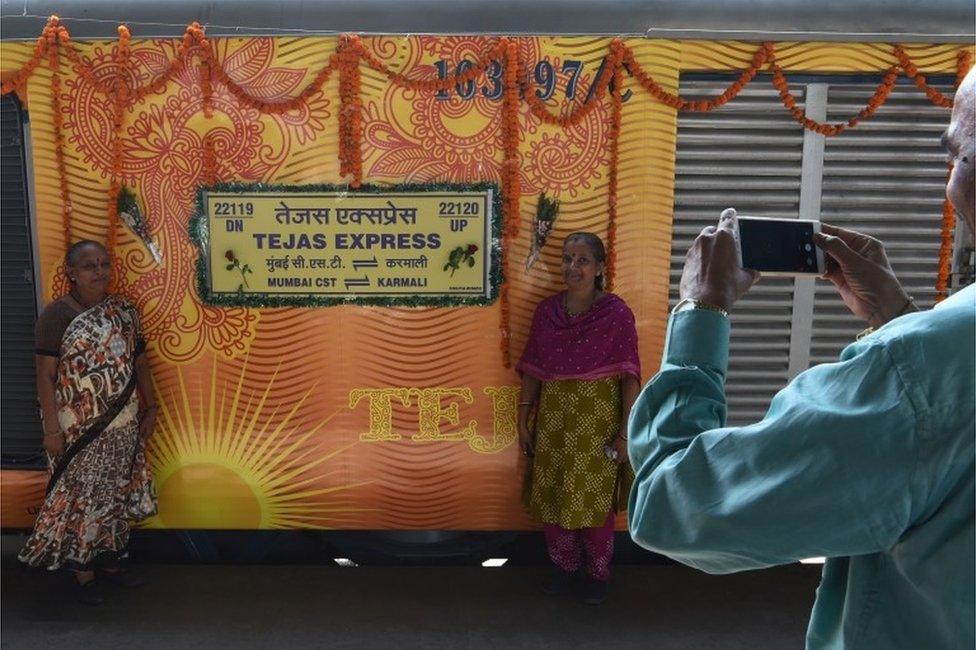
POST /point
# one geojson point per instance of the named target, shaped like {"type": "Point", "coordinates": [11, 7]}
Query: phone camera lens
{"type": "Point", "coordinates": [807, 247]}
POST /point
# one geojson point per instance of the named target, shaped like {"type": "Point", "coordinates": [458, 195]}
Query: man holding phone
{"type": "Point", "coordinates": [868, 461]}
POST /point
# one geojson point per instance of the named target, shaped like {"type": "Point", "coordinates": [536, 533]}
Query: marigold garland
{"type": "Point", "coordinates": [947, 238]}
{"type": "Point", "coordinates": [209, 161]}
{"type": "Point", "coordinates": [57, 120]}
{"type": "Point", "coordinates": [762, 55]}
{"type": "Point", "coordinates": [911, 70]}
{"type": "Point", "coordinates": [347, 57]}
{"type": "Point", "coordinates": [613, 142]}
{"type": "Point", "coordinates": [350, 111]}
{"type": "Point", "coordinates": [581, 111]}
{"type": "Point", "coordinates": [878, 99]}
{"type": "Point", "coordinates": [511, 181]}
{"type": "Point", "coordinates": [17, 82]}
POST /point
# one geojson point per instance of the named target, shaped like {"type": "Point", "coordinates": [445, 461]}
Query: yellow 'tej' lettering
{"type": "Point", "coordinates": [435, 405]}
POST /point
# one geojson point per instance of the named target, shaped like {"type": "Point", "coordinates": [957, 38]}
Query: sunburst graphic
{"type": "Point", "coordinates": [233, 459]}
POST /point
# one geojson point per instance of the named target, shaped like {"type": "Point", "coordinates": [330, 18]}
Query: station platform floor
{"type": "Point", "coordinates": [328, 606]}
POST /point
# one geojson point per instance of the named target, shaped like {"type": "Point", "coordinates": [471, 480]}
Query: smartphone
{"type": "Point", "coordinates": [778, 246]}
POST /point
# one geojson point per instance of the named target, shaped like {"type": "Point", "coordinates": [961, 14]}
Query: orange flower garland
{"type": "Point", "coordinates": [16, 83]}
{"type": "Point", "coordinates": [911, 70]}
{"type": "Point", "coordinates": [347, 56]}
{"type": "Point", "coordinates": [209, 161]}
{"type": "Point", "coordinates": [350, 111]}
{"type": "Point", "coordinates": [511, 182]}
{"type": "Point", "coordinates": [789, 101]}
{"type": "Point", "coordinates": [763, 54]}
{"type": "Point", "coordinates": [947, 238]}
{"type": "Point", "coordinates": [183, 52]}
{"type": "Point", "coordinates": [580, 112]}
{"type": "Point", "coordinates": [613, 141]}
{"type": "Point", "coordinates": [57, 121]}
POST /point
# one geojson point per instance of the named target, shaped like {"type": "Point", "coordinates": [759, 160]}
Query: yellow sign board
{"type": "Point", "coordinates": [320, 245]}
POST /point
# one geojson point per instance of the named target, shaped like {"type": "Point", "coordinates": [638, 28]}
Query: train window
{"type": "Point", "coordinates": [21, 430]}
{"type": "Point", "coordinates": [886, 178]}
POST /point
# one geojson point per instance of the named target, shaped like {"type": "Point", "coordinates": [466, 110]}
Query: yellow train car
{"type": "Point", "coordinates": [354, 376]}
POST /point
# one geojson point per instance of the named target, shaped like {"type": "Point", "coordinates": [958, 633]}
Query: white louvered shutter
{"type": "Point", "coordinates": [886, 178]}
{"type": "Point", "coordinates": [747, 155]}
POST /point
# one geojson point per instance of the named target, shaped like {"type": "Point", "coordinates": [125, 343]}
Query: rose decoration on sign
{"type": "Point", "coordinates": [461, 255]}
{"type": "Point", "coordinates": [235, 263]}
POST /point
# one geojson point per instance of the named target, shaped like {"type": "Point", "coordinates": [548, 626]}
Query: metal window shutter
{"type": "Point", "coordinates": [21, 429]}
{"type": "Point", "coordinates": [748, 155]}
{"type": "Point", "coordinates": [887, 179]}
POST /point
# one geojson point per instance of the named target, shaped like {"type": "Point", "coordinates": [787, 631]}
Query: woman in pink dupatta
{"type": "Point", "coordinates": [580, 376]}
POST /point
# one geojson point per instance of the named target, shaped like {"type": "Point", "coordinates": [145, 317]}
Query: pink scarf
{"type": "Point", "coordinates": [598, 343]}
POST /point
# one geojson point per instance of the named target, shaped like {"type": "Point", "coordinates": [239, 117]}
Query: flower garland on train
{"type": "Point", "coordinates": [351, 53]}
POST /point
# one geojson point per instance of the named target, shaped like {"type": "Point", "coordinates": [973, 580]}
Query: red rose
{"type": "Point", "coordinates": [472, 249]}
{"type": "Point", "coordinates": [229, 255]}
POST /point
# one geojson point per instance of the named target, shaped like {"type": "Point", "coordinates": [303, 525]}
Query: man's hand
{"type": "Point", "coordinates": [712, 273]}
{"type": "Point", "coordinates": [859, 268]}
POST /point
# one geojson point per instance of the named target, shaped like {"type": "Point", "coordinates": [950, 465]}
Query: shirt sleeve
{"type": "Point", "coordinates": [827, 472]}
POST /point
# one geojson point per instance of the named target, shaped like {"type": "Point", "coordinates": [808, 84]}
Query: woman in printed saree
{"type": "Point", "coordinates": [580, 376]}
{"type": "Point", "coordinates": [97, 410]}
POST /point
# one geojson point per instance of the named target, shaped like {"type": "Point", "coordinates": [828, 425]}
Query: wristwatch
{"type": "Point", "coordinates": [691, 303]}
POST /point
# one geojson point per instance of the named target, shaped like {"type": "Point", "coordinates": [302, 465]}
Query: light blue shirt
{"type": "Point", "coordinates": [868, 461]}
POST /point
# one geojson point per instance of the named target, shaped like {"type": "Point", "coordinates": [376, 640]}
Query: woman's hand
{"type": "Point", "coordinates": [525, 432]}
{"type": "Point", "coordinates": [620, 446]}
{"type": "Point", "coordinates": [54, 443]}
{"type": "Point", "coordinates": [147, 421]}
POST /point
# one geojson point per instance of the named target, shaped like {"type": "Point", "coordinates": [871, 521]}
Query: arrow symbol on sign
{"type": "Point", "coordinates": [365, 264]}
{"type": "Point", "coordinates": [357, 282]}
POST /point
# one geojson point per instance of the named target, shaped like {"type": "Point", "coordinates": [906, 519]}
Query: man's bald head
{"type": "Point", "coordinates": [960, 140]}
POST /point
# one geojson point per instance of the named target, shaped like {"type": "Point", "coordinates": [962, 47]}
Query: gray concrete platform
{"type": "Point", "coordinates": [198, 606]}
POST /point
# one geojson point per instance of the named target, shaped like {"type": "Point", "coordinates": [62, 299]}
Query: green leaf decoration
{"type": "Point", "coordinates": [127, 202]}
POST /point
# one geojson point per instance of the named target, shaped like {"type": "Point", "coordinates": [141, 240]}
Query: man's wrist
{"type": "Point", "coordinates": [694, 303]}
{"type": "Point", "coordinates": [698, 337]}
{"type": "Point", "coordinates": [899, 306]}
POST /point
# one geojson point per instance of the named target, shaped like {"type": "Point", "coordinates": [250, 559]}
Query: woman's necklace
{"type": "Point", "coordinates": [82, 303]}
{"type": "Point", "coordinates": [572, 314]}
